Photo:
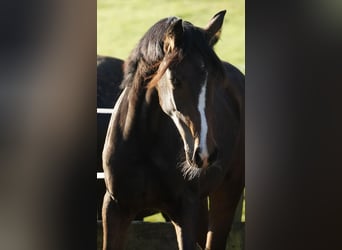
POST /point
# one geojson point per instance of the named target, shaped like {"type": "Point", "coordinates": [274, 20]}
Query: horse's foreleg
{"type": "Point", "coordinates": [185, 240]}
{"type": "Point", "coordinates": [223, 203]}
{"type": "Point", "coordinates": [202, 223]}
{"type": "Point", "coordinates": [185, 219]}
{"type": "Point", "coordinates": [115, 224]}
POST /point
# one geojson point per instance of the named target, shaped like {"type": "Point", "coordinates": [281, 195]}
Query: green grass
{"type": "Point", "coordinates": [155, 218]}
{"type": "Point", "coordinates": [121, 23]}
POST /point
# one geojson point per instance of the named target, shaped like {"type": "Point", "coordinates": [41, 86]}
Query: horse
{"type": "Point", "coordinates": [109, 77]}
{"type": "Point", "coordinates": [176, 137]}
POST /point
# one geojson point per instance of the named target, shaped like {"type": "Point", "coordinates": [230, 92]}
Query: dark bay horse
{"type": "Point", "coordinates": [109, 77]}
{"type": "Point", "coordinates": [176, 137]}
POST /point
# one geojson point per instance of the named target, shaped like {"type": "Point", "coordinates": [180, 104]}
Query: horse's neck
{"type": "Point", "coordinates": [164, 145]}
{"type": "Point", "coordinates": [154, 123]}
{"type": "Point", "coordinates": [142, 132]}
{"type": "Point", "coordinates": [151, 129]}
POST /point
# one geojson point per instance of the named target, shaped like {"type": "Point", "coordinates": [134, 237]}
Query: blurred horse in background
{"type": "Point", "coordinates": [109, 78]}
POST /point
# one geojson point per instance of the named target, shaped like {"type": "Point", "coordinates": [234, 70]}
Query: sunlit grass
{"type": "Point", "coordinates": [120, 24]}
{"type": "Point", "coordinates": [155, 218]}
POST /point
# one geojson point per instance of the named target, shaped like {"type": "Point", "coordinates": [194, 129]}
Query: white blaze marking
{"type": "Point", "coordinates": [204, 125]}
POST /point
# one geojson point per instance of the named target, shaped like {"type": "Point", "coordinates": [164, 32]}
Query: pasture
{"type": "Point", "coordinates": [120, 25]}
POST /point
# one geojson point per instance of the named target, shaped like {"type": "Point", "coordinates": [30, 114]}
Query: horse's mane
{"type": "Point", "coordinates": [143, 68]}
{"type": "Point", "coordinates": [144, 59]}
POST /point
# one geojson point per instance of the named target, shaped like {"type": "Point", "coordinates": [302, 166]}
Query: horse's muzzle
{"type": "Point", "coordinates": [204, 161]}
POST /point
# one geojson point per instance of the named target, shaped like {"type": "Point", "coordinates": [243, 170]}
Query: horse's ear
{"type": "Point", "coordinates": [213, 28]}
{"type": "Point", "coordinates": [173, 37]}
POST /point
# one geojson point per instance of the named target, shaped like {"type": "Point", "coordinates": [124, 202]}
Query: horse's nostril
{"type": "Point", "coordinates": [197, 159]}
{"type": "Point", "coordinates": [213, 156]}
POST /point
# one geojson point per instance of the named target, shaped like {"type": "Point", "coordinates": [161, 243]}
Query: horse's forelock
{"type": "Point", "coordinates": [163, 66]}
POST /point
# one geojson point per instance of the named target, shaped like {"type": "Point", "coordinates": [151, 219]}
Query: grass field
{"type": "Point", "coordinates": [121, 23]}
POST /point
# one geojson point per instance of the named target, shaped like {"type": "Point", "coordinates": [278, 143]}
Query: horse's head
{"type": "Point", "coordinates": [185, 82]}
